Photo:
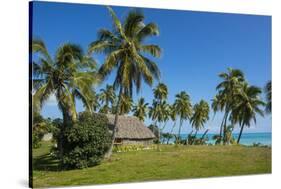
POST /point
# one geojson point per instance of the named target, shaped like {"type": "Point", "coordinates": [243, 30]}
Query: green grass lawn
{"type": "Point", "coordinates": [170, 163]}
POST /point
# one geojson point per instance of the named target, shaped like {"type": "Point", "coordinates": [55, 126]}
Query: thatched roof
{"type": "Point", "coordinates": [130, 127]}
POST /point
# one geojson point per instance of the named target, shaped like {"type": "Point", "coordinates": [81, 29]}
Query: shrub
{"type": "Point", "coordinates": [40, 127]}
{"type": "Point", "coordinates": [86, 142]}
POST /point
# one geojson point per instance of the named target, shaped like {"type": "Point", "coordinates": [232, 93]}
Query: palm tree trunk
{"type": "Point", "coordinates": [222, 125]}
{"type": "Point", "coordinates": [171, 131]}
{"type": "Point", "coordinates": [224, 128]}
{"type": "Point", "coordinates": [180, 129]}
{"type": "Point", "coordinates": [159, 138]}
{"type": "Point", "coordinates": [162, 130]}
{"type": "Point", "coordinates": [204, 134]}
{"type": "Point", "coordinates": [194, 137]}
{"type": "Point", "coordinates": [240, 134]}
{"type": "Point", "coordinates": [109, 152]}
{"type": "Point", "coordinates": [65, 124]}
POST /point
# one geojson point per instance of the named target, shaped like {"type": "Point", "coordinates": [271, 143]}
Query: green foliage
{"type": "Point", "coordinates": [40, 127]}
{"type": "Point", "coordinates": [69, 75]}
{"type": "Point", "coordinates": [126, 52]}
{"type": "Point", "coordinates": [160, 92]}
{"type": "Point", "coordinates": [165, 137]}
{"type": "Point", "coordinates": [107, 97]}
{"type": "Point", "coordinates": [85, 144]}
{"type": "Point", "coordinates": [200, 115]}
{"type": "Point", "coordinates": [140, 109]}
{"type": "Point", "coordinates": [171, 163]}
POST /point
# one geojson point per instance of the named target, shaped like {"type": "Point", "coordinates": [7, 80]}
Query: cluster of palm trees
{"type": "Point", "coordinates": [160, 111]}
{"type": "Point", "coordinates": [239, 102]}
{"type": "Point", "coordinates": [73, 74]}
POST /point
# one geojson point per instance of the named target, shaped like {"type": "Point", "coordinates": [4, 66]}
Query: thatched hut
{"type": "Point", "coordinates": [130, 130]}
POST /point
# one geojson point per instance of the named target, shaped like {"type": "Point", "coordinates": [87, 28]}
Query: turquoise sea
{"type": "Point", "coordinates": [246, 139]}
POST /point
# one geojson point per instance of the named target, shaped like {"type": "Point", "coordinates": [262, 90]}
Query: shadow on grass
{"type": "Point", "coordinates": [45, 162]}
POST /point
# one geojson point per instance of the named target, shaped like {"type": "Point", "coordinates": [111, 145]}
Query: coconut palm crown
{"type": "Point", "coordinates": [200, 115]}
{"type": "Point", "coordinates": [183, 107]}
{"type": "Point", "coordinates": [126, 53]}
{"type": "Point", "coordinates": [70, 75]}
{"type": "Point", "coordinates": [140, 109]}
{"type": "Point", "coordinates": [107, 96]}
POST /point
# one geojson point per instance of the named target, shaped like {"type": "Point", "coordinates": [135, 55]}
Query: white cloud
{"type": "Point", "coordinates": [51, 101]}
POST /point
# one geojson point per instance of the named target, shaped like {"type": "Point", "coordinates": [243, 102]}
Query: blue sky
{"type": "Point", "coordinates": [196, 46]}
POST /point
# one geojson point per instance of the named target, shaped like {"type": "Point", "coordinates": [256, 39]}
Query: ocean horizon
{"type": "Point", "coordinates": [264, 138]}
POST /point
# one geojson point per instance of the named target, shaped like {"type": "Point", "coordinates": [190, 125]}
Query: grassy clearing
{"type": "Point", "coordinates": [170, 163]}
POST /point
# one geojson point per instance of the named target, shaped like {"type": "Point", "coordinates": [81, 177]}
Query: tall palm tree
{"type": "Point", "coordinates": [200, 115]}
{"type": "Point", "coordinates": [228, 89]}
{"type": "Point", "coordinates": [126, 53]}
{"type": "Point", "coordinates": [107, 96]}
{"type": "Point", "coordinates": [183, 107]}
{"type": "Point", "coordinates": [159, 110]}
{"type": "Point", "coordinates": [268, 96]}
{"type": "Point", "coordinates": [155, 113]}
{"type": "Point", "coordinates": [69, 75]}
{"type": "Point", "coordinates": [247, 106]}
{"type": "Point", "coordinates": [140, 109]}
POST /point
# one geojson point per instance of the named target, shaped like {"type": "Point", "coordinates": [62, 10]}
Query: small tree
{"type": "Point", "coordinates": [86, 143]}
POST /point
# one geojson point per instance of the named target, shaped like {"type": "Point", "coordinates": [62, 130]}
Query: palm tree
{"type": "Point", "coordinates": [160, 92]}
{"type": "Point", "coordinates": [268, 97]}
{"type": "Point", "coordinates": [247, 106]}
{"type": "Point", "coordinates": [68, 76]}
{"type": "Point", "coordinates": [218, 104]}
{"type": "Point", "coordinates": [159, 111]}
{"type": "Point", "coordinates": [140, 109]}
{"type": "Point", "coordinates": [156, 114]}
{"type": "Point", "coordinates": [183, 107]}
{"type": "Point", "coordinates": [107, 96]}
{"type": "Point", "coordinates": [200, 115]}
{"type": "Point", "coordinates": [173, 117]}
{"type": "Point", "coordinates": [228, 89]}
{"type": "Point", "coordinates": [125, 52]}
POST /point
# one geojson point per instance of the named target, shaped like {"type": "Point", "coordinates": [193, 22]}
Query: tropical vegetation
{"type": "Point", "coordinates": [125, 48]}
{"type": "Point", "coordinates": [83, 140]}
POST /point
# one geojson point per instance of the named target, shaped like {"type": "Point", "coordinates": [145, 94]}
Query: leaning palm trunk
{"type": "Point", "coordinates": [171, 132]}
{"type": "Point", "coordinates": [202, 137]}
{"type": "Point", "coordinates": [222, 126]}
{"type": "Point", "coordinates": [240, 134]}
{"type": "Point", "coordinates": [162, 129]}
{"type": "Point", "coordinates": [159, 138]}
{"type": "Point", "coordinates": [109, 152]}
{"type": "Point", "coordinates": [179, 138]}
{"type": "Point", "coordinates": [224, 129]}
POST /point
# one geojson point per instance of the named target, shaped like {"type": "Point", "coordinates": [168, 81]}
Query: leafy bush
{"type": "Point", "coordinates": [86, 142]}
{"type": "Point", "coordinates": [40, 127]}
